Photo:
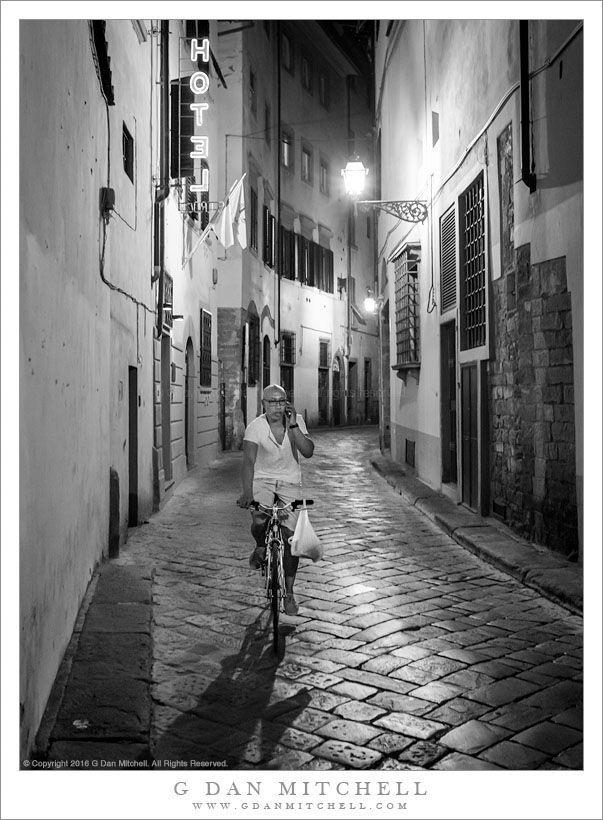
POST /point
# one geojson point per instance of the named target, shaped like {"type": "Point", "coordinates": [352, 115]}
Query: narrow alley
{"type": "Point", "coordinates": [408, 651]}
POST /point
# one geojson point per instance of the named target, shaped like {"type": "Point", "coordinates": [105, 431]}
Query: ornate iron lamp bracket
{"type": "Point", "coordinates": [406, 210]}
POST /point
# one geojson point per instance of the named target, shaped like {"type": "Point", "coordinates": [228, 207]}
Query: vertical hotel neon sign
{"type": "Point", "coordinates": [199, 84]}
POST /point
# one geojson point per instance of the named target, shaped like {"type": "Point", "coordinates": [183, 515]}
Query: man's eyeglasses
{"type": "Point", "coordinates": [283, 402]}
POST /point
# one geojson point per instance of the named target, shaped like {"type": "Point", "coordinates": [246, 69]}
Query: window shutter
{"type": "Point", "coordinates": [448, 261]}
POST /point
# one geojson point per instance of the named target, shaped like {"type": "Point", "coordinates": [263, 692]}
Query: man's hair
{"type": "Point", "coordinates": [272, 387]}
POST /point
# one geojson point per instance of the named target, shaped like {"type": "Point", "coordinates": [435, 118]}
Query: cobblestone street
{"type": "Point", "coordinates": [408, 652]}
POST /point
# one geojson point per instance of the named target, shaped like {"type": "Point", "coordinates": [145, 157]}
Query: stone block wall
{"type": "Point", "coordinates": [531, 407]}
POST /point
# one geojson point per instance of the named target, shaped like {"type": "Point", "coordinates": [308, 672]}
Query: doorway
{"type": "Point", "coordinates": [189, 405]}
{"type": "Point", "coordinates": [166, 425]}
{"type": "Point", "coordinates": [352, 388]}
{"type": "Point", "coordinates": [336, 391]}
{"type": "Point", "coordinates": [469, 435]}
{"type": "Point", "coordinates": [448, 406]}
{"type": "Point", "coordinates": [132, 446]}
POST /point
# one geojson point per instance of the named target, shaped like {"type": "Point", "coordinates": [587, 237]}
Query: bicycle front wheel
{"type": "Point", "coordinates": [275, 597]}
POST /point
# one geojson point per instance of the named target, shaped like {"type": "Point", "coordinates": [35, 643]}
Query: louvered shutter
{"type": "Point", "coordinates": [448, 260]}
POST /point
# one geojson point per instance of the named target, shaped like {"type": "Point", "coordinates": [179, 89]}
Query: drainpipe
{"type": "Point", "coordinates": [527, 175]}
{"type": "Point", "coordinates": [163, 189]}
{"type": "Point", "coordinates": [276, 246]}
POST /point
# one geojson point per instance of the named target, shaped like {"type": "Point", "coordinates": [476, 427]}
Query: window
{"type": "Point", "coordinates": [324, 353]}
{"type": "Point", "coordinates": [324, 275]}
{"type": "Point", "coordinates": [324, 177]}
{"type": "Point", "coordinates": [472, 266]}
{"type": "Point", "coordinates": [253, 97]}
{"type": "Point", "coordinates": [266, 362]}
{"type": "Point", "coordinates": [254, 349]}
{"type": "Point", "coordinates": [287, 53]}
{"type": "Point", "coordinates": [267, 124]}
{"type": "Point", "coordinates": [205, 347]}
{"type": "Point", "coordinates": [448, 261]}
{"type": "Point", "coordinates": [407, 305]}
{"type": "Point", "coordinates": [127, 143]}
{"type": "Point", "coordinates": [287, 347]}
{"type": "Point", "coordinates": [315, 265]}
{"type": "Point", "coordinates": [287, 252]}
{"type": "Point", "coordinates": [303, 258]}
{"type": "Point", "coordinates": [306, 74]}
{"type": "Point", "coordinates": [253, 207]}
{"type": "Point", "coordinates": [323, 89]}
{"type": "Point", "coordinates": [268, 243]}
{"type": "Point", "coordinates": [306, 164]}
{"type": "Point", "coordinates": [182, 129]}
{"type": "Point", "coordinates": [287, 149]}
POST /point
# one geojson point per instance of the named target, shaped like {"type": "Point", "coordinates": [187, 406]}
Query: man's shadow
{"type": "Point", "coordinates": [242, 713]}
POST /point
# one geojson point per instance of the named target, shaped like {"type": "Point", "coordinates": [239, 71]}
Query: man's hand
{"type": "Point", "coordinates": [291, 414]}
{"type": "Point", "coordinates": [244, 501]}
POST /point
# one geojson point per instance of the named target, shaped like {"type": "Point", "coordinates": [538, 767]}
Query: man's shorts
{"type": "Point", "coordinates": [264, 490]}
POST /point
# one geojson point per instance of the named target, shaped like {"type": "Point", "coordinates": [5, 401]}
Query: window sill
{"type": "Point", "coordinates": [402, 371]}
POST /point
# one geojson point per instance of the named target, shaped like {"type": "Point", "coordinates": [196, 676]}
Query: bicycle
{"type": "Point", "coordinates": [273, 568]}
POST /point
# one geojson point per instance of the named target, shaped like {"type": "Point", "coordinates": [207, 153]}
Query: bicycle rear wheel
{"type": "Point", "coordinates": [274, 595]}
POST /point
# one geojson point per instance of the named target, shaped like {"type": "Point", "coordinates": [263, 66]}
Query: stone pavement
{"type": "Point", "coordinates": [425, 638]}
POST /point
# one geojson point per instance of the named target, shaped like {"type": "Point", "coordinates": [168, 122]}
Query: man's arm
{"type": "Point", "coordinates": [302, 440]}
{"type": "Point", "coordinates": [250, 451]}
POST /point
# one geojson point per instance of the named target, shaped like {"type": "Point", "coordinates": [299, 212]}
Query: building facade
{"type": "Point", "coordinates": [186, 398]}
{"type": "Point", "coordinates": [293, 106]}
{"type": "Point", "coordinates": [482, 318]}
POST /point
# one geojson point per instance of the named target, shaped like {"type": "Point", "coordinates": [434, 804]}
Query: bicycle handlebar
{"type": "Point", "coordinates": [293, 505]}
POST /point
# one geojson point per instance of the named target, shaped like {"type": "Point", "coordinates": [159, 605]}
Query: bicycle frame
{"type": "Point", "coordinates": [273, 569]}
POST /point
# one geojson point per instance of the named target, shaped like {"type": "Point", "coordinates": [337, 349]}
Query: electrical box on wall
{"type": "Point", "coordinates": [107, 200]}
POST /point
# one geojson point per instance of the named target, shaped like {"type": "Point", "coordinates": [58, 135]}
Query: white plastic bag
{"type": "Point", "coordinates": [304, 541]}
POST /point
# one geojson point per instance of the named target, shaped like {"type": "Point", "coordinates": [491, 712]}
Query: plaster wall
{"type": "Point", "coordinates": [76, 336]}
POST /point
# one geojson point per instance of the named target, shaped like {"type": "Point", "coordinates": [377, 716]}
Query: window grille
{"type": "Point", "coordinates": [287, 347]}
{"type": "Point", "coordinates": [473, 266]}
{"type": "Point", "coordinates": [407, 306]}
{"type": "Point", "coordinates": [448, 261]}
{"type": "Point", "coordinates": [205, 369]}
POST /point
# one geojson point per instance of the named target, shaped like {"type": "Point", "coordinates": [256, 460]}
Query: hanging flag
{"type": "Point", "coordinates": [231, 214]}
{"type": "Point", "coordinates": [240, 222]}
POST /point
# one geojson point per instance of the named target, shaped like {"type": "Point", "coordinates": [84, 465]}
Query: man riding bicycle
{"type": "Point", "coordinates": [271, 448]}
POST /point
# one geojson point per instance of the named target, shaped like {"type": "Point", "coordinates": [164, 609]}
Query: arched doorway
{"type": "Point", "coordinates": [189, 405]}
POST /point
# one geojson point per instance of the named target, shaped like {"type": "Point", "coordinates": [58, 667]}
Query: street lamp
{"type": "Point", "coordinates": [372, 305]}
{"type": "Point", "coordinates": [354, 176]}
